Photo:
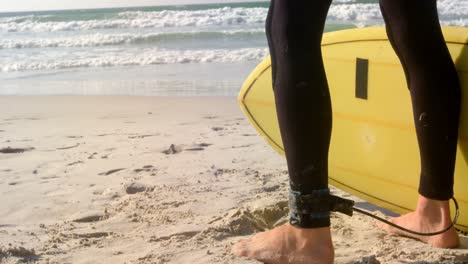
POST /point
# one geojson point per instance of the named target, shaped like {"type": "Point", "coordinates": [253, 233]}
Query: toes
{"type": "Point", "coordinates": [386, 227]}
{"type": "Point", "coordinates": [240, 249]}
{"type": "Point", "coordinates": [380, 225]}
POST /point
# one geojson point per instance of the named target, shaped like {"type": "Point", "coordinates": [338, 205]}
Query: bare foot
{"type": "Point", "coordinates": [429, 216]}
{"type": "Point", "coordinates": [288, 244]}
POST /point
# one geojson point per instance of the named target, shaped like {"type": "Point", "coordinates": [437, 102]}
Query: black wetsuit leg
{"type": "Point", "coordinates": [294, 31]}
{"type": "Point", "coordinates": [415, 34]}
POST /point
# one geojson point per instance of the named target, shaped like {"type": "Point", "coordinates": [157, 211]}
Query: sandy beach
{"type": "Point", "coordinates": [121, 179]}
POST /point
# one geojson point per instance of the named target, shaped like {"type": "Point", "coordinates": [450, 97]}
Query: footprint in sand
{"type": "Point", "coordinates": [49, 177]}
{"type": "Point", "coordinates": [74, 163]}
{"type": "Point", "coordinates": [143, 136]}
{"type": "Point", "coordinates": [111, 172]}
{"type": "Point", "coordinates": [74, 136]}
{"type": "Point", "coordinates": [74, 146]}
{"type": "Point", "coordinates": [177, 236]}
{"type": "Point", "coordinates": [9, 150]}
{"type": "Point", "coordinates": [173, 149]}
{"type": "Point", "coordinates": [368, 260]}
{"type": "Point", "coordinates": [135, 187]}
{"type": "Point", "coordinates": [210, 117]}
{"type": "Point", "coordinates": [187, 123]}
{"type": "Point", "coordinates": [89, 217]}
{"type": "Point", "coordinates": [198, 147]}
{"type": "Point", "coordinates": [147, 168]}
{"type": "Point", "coordinates": [26, 255]}
{"type": "Point", "coordinates": [241, 146]}
{"type": "Point", "coordinates": [220, 171]}
{"type": "Point", "coordinates": [271, 188]}
{"type": "Point", "coordinates": [92, 155]}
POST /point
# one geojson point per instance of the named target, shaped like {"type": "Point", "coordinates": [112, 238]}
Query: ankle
{"type": "Point", "coordinates": [433, 209]}
{"type": "Point", "coordinates": [316, 241]}
{"type": "Point", "coordinates": [312, 234]}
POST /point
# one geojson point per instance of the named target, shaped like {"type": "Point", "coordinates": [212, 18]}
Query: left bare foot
{"type": "Point", "coordinates": [288, 244]}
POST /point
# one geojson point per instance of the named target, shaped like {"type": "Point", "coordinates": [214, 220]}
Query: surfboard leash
{"type": "Point", "coordinates": [319, 202]}
{"type": "Point", "coordinates": [454, 221]}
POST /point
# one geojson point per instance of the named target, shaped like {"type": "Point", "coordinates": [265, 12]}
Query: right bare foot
{"type": "Point", "coordinates": [288, 244]}
{"type": "Point", "coordinates": [429, 216]}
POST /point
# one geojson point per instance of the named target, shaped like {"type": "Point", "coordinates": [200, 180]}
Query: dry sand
{"type": "Point", "coordinates": [153, 180]}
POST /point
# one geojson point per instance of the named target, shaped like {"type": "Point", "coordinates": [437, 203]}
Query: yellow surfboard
{"type": "Point", "coordinates": [374, 152]}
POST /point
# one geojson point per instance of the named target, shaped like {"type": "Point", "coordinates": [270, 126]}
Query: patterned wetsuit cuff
{"type": "Point", "coordinates": [302, 216]}
{"type": "Point", "coordinates": [310, 220]}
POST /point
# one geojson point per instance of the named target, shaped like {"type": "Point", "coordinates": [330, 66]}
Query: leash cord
{"type": "Point", "coordinates": [454, 221]}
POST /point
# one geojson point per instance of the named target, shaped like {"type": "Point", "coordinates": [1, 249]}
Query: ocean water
{"type": "Point", "coordinates": [164, 50]}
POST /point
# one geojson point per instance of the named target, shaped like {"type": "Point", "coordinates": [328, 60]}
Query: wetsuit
{"type": "Point", "coordinates": [294, 31]}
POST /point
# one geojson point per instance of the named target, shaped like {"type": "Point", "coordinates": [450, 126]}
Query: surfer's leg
{"type": "Point", "coordinates": [294, 32]}
{"type": "Point", "coordinates": [414, 31]}
{"type": "Point", "coordinates": [302, 98]}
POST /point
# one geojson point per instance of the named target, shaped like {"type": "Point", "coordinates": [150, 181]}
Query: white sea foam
{"type": "Point", "coordinates": [451, 12]}
{"type": "Point", "coordinates": [210, 17]}
{"type": "Point", "coordinates": [358, 14]}
{"type": "Point", "coordinates": [136, 19]}
{"type": "Point", "coordinates": [99, 39]}
{"type": "Point", "coordinates": [137, 57]}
